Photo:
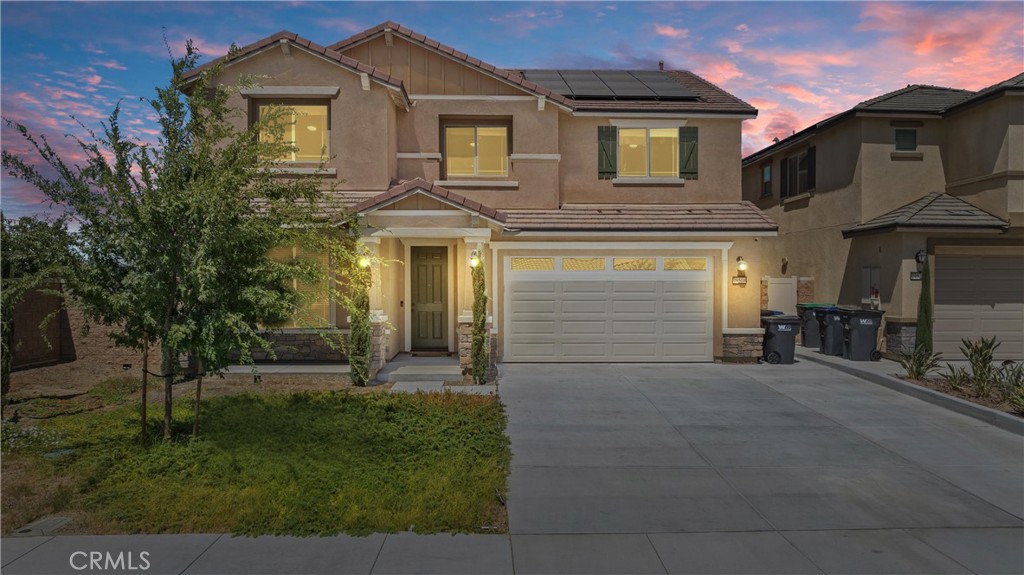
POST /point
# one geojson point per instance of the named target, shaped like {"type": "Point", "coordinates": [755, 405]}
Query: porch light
{"type": "Point", "coordinates": [474, 258]}
{"type": "Point", "coordinates": [311, 128]}
{"type": "Point", "coordinates": [741, 265]}
{"type": "Point", "coordinates": [363, 262]}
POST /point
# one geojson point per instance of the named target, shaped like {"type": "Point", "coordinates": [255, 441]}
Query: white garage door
{"type": "Point", "coordinates": [979, 296]}
{"type": "Point", "coordinates": [608, 309]}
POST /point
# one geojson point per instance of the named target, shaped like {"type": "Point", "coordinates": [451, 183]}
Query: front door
{"type": "Point", "coordinates": [429, 295]}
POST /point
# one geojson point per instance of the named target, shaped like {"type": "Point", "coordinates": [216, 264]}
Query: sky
{"type": "Point", "coordinates": [66, 63]}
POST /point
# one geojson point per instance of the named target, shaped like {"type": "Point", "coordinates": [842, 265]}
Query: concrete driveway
{"type": "Point", "coordinates": [724, 468]}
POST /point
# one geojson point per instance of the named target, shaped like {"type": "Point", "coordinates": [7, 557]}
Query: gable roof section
{"type": "Point", "coordinates": [738, 217]}
{"type": "Point", "coordinates": [351, 64]}
{"type": "Point", "coordinates": [403, 190]}
{"type": "Point", "coordinates": [1014, 84]}
{"type": "Point", "coordinates": [916, 99]}
{"type": "Point", "coordinates": [479, 65]}
{"type": "Point", "coordinates": [936, 211]}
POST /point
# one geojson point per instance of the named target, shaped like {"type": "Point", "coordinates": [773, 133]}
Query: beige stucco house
{"type": "Point", "coordinates": [919, 173]}
{"type": "Point", "coordinates": [605, 206]}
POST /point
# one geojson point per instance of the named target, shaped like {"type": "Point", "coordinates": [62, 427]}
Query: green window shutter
{"type": "Point", "coordinates": [688, 152]}
{"type": "Point", "coordinates": [784, 178]}
{"type": "Point", "coordinates": [811, 168]}
{"type": "Point", "coordinates": [607, 149]}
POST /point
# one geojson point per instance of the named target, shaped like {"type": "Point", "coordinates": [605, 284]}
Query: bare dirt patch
{"type": "Point", "coordinates": [940, 386]}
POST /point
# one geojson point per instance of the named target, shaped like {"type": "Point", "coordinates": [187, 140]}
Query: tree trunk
{"type": "Point", "coordinates": [145, 389]}
{"type": "Point", "coordinates": [199, 393]}
{"type": "Point", "coordinates": [168, 373]}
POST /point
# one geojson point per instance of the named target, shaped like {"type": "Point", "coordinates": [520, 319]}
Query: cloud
{"type": "Point", "coordinates": [344, 24]}
{"type": "Point", "coordinates": [731, 46]}
{"type": "Point", "coordinates": [801, 94]}
{"type": "Point", "coordinates": [742, 28]}
{"type": "Point", "coordinates": [521, 22]}
{"type": "Point", "coordinates": [763, 103]}
{"type": "Point", "coordinates": [804, 62]}
{"type": "Point", "coordinates": [670, 32]}
{"type": "Point", "coordinates": [92, 49]}
{"type": "Point", "coordinates": [109, 64]}
{"type": "Point", "coordinates": [720, 72]}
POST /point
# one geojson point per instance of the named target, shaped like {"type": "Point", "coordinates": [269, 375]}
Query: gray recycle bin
{"type": "Point", "coordinates": [830, 329]}
{"type": "Point", "coordinates": [860, 334]}
{"type": "Point", "coordinates": [780, 337]}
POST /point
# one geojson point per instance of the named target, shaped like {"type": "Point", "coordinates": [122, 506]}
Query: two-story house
{"type": "Point", "coordinates": [604, 205]}
{"type": "Point", "coordinates": [923, 173]}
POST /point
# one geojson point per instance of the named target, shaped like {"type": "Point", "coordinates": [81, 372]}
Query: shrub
{"type": "Point", "coordinates": [1009, 378]}
{"type": "Point", "coordinates": [919, 362]}
{"type": "Point", "coordinates": [16, 438]}
{"type": "Point", "coordinates": [980, 356]}
{"type": "Point", "coordinates": [958, 378]}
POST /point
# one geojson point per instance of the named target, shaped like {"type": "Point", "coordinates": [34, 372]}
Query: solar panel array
{"type": "Point", "coordinates": [610, 84]}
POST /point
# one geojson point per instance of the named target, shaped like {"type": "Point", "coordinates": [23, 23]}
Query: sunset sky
{"type": "Point", "coordinates": [796, 62]}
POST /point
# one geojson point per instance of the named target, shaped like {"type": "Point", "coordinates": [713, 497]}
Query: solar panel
{"type": "Point", "coordinates": [610, 84]}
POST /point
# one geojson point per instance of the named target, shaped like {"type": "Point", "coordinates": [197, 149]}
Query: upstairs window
{"type": "Point", "coordinates": [646, 152]}
{"type": "Point", "coordinates": [797, 173]}
{"type": "Point", "coordinates": [906, 140]}
{"type": "Point", "coordinates": [476, 151]}
{"type": "Point", "coordinates": [766, 180]}
{"type": "Point", "coordinates": [305, 128]}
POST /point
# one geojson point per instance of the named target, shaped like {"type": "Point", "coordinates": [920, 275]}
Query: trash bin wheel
{"type": "Point", "coordinates": [774, 358]}
{"type": "Point", "coordinates": [876, 355]}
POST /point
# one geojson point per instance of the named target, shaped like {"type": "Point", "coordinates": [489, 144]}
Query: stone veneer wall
{"type": "Point", "coordinates": [291, 345]}
{"type": "Point", "coordinates": [379, 350]}
{"type": "Point", "coordinates": [466, 346]}
{"type": "Point", "coordinates": [900, 337]}
{"type": "Point", "coordinates": [742, 348]}
{"type": "Point", "coordinates": [764, 293]}
{"type": "Point", "coordinates": [805, 290]}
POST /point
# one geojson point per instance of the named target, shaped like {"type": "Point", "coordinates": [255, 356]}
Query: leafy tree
{"type": "Point", "coordinates": [174, 239]}
{"type": "Point", "coordinates": [34, 251]}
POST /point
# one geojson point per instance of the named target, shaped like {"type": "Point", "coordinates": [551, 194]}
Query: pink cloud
{"type": "Point", "coordinates": [804, 62]}
{"type": "Point", "coordinates": [763, 103]}
{"type": "Point", "coordinates": [344, 24]}
{"type": "Point", "coordinates": [94, 80]}
{"type": "Point", "coordinates": [742, 28]}
{"type": "Point", "coordinates": [720, 72]}
{"type": "Point", "coordinates": [670, 32]}
{"type": "Point", "coordinates": [110, 64]}
{"type": "Point", "coordinates": [732, 46]}
{"type": "Point", "coordinates": [801, 94]}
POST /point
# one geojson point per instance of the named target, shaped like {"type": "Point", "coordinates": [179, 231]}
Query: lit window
{"type": "Point", "coordinates": [633, 264]}
{"type": "Point", "coordinates": [582, 264]}
{"type": "Point", "coordinates": [305, 129]}
{"type": "Point", "coordinates": [685, 264]}
{"type": "Point", "coordinates": [476, 150]}
{"type": "Point", "coordinates": [533, 264]}
{"type": "Point", "coordinates": [648, 152]}
{"type": "Point", "coordinates": [315, 309]}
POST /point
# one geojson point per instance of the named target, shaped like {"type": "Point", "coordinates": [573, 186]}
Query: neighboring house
{"type": "Point", "coordinates": [922, 172]}
{"type": "Point", "coordinates": [605, 205]}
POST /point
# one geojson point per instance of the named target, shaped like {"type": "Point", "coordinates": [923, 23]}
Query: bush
{"type": "Point", "coordinates": [16, 438]}
{"type": "Point", "coordinates": [919, 362]}
{"type": "Point", "coordinates": [1010, 381]}
{"type": "Point", "coordinates": [980, 355]}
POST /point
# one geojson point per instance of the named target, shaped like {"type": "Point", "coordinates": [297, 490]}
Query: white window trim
{"type": "Point", "coordinates": [629, 123]}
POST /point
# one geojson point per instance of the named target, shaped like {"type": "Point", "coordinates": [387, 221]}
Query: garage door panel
{"type": "Point", "coordinates": [979, 296]}
{"type": "Point", "coordinates": [634, 287]}
{"type": "Point", "coordinates": [634, 327]}
{"type": "Point", "coordinates": [686, 327]}
{"type": "Point", "coordinates": [686, 307]}
{"type": "Point", "coordinates": [527, 306]}
{"type": "Point", "coordinates": [572, 351]}
{"type": "Point", "coordinates": [583, 326]}
{"type": "Point", "coordinates": [577, 306]}
{"type": "Point", "coordinates": [525, 327]}
{"type": "Point", "coordinates": [639, 306]}
{"type": "Point", "coordinates": [571, 288]}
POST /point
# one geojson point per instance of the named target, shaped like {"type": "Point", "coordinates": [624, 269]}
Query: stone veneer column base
{"type": "Point", "coordinates": [298, 346]}
{"type": "Point", "coordinates": [900, 337]}
{"type": "Point", "coordinates": [379, 349]}
{"type": "Point", "coordinates": [465, 331]}
{"type": "Point", "coordinates": [742, 348]}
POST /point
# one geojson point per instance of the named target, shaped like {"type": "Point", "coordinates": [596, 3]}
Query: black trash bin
{"type": "Point", "coordinates": [780, 337]}
{"type": "Point", "coordinates": [860, 334]}
{"type": "Point", "coordinates": [830, 330]}
{"type": "Point", "coordinates": [810, 335]}
{"type": "Point", "coordinates": [770, 312]}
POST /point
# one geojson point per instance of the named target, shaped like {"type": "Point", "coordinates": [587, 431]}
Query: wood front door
{"type": "Point", "coordinates": [429, 298]}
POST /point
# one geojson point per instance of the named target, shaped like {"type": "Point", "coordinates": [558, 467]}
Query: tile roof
{"type": "Point", "coordinates": [403, 189]}
{"type": "Point", "coordinates": [271, 41]}
{"type": "Point", "coordinates": [675, 218]}
{"type": "Point", "coordinates": [416, 37]}
{"type": "Point", "coordinates": [936, 210]}
{"type": "Point", "coordinates": [916, 98]}
{"type": "Point", "coordinates": [1015, 84]}
{"type": "Point", "coordinates": [712, 99]}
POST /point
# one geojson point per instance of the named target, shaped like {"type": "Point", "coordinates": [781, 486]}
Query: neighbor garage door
{"type": "Point", "coordinates": [608, 309]}
{"type": "Point", "coordinates": [979, 296]}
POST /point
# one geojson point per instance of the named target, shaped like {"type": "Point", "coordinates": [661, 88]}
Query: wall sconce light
{"type": "Point", "coordinates": [363, 262]}
{"type": "Point", "coordinates": [921, 256]}
{"type": "Point", "coordinates": [474, 258]}
{"type": "Point", "coordinates": [740, 279]}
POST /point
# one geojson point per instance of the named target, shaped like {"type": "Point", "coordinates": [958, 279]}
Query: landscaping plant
{"type": "Point", "coordinates": [478, 345]}
{"type": "Point", "coordinates": [920, 362]}
{"type": "Point", "coordinates": [979, 356]}
{"type": "Point", "coordinates": [924, 310]}
{"type": "Point", "coordinates": [173, 240]}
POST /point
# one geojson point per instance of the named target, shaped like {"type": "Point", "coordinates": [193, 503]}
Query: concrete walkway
{"type": "Point", "coordinates": [679, 469]}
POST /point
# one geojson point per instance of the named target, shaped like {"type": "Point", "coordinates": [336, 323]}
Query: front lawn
{"type": "Point", "coordinates": [299, 464]}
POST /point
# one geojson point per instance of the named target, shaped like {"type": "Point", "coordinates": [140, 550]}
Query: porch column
{"type": "Point", "coordinates": [468, 248]}
{"type": "Point", "coordinates": [378, 319]}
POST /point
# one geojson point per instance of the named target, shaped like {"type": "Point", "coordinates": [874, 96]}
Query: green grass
{"type": "Point", "coordinates": [300, 464]}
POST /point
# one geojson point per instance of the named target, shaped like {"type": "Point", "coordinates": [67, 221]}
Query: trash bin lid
{"type": "Point", "coordinates": [770, 312]}
{"type": "Point", "coordinates": [781, 319]}
{"type": "Point", "coordinates": [814, 305]}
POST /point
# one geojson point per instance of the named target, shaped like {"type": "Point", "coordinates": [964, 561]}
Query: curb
{"type": "Point", "coordinates": [999, 419]}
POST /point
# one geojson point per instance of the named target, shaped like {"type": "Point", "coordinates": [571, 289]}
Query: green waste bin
{"type": "Point", "coordinates": [779, 338]}
{"type": "Point", "coordinates": [810, 336]}
{"type": "Point", "coordinates": [860, 334]}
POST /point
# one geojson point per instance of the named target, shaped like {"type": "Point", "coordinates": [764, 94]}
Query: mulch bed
{"type": "Point", "coordinates": [940, 386]}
